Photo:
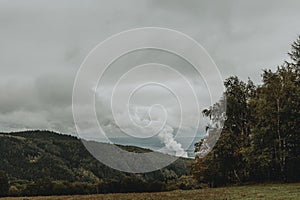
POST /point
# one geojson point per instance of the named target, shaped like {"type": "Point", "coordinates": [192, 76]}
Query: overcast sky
{"type": "Point", "coordinates": [43, 43]}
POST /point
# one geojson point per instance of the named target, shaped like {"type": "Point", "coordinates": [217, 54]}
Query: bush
{"type": "Point", "coordinates": [14, 191]}
{"type": "Point", "coordinates": [133, 184]}
{"type": "Point", "coordinates": [4, 186]}
{"type": "Point", "coordinates": [156, 186]}
{"type": "Point", "coordinates": [188, 183]}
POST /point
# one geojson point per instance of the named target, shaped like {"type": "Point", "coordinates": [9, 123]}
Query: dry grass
{"type": "Point", "coordinates": [270, 191]}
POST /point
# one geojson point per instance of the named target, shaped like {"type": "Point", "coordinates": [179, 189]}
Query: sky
{"type": "Point", "coordinates": [43, 44]}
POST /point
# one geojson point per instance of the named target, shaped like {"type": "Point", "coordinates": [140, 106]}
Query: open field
{"type": "Point", "coordinates": [269, 191]}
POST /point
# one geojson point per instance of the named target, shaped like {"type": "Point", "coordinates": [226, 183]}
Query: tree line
{"type": "Point", "coordinates": [260, 139]}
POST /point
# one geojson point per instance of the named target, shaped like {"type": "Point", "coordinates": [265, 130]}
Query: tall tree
{"type": "Point", "coordinates": [276, 123]}
{"type": "Point", "coordinates": [293, 110]}
{"type": "Point", "coordinates": [226, 163]}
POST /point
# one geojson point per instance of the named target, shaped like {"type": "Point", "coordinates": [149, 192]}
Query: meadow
{"type": "Point", "coordinates": [263, 191]}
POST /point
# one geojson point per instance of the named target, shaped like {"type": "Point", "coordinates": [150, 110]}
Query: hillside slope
{"type": "Point", "coordinates": [36, 157]}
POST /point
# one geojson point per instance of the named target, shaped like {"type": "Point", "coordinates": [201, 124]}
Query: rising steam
{"type": "Point", "coordinates": [171, 145]}
{"type": "Point", "coordinates": [166, 135]}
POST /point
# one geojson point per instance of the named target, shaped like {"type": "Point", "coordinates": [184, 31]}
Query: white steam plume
{"type": "Point", "coordinates": [171, 145]}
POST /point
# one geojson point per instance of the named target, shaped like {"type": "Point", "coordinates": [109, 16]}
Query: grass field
{"type": "Point", "coordinates": [270, 191]}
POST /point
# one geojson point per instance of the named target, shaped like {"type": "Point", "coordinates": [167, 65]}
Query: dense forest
{"type": "Point", "coordinates": [47, 163]}
{"type": "Point", "coordinates": [260, 140]}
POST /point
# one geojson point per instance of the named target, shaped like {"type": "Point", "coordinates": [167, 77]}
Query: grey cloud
{"type": "Point", "coordinates": [55, 89]}
{"type": "Point", "coordinates": [16, 95]}
{"type": "Point", "coordinates": [43, 43]}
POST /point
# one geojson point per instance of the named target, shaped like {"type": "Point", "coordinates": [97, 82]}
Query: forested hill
{"type": "Point", "coordinates": [34, 159]}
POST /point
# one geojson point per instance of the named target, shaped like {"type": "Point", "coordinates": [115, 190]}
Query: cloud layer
{"type": "Point", "coordinates": [44, 43]}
